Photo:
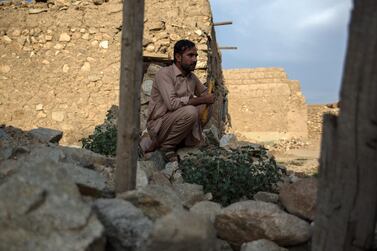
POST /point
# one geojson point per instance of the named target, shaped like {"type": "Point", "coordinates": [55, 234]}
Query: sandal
{"type": "Point", "coordinates": [170, 155]}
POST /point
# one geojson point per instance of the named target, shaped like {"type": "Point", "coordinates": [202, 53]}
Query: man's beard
{"type": "Point", "coordinates": [188, 67]}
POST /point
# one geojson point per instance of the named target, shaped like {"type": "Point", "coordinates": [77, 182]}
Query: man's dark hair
{"type": "Point", "coordinates": [181, 46]}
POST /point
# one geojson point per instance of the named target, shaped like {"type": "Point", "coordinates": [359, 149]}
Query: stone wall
{"type": "Point", "coordinates": [264, 105]}
{"type": "Point", "coordinates": [60, 60]}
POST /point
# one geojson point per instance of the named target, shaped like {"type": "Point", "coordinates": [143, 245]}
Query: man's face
{"type": "Point", "coordinates": [188, 59]}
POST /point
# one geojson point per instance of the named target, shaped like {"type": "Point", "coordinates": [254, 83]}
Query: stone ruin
{"type": "Point", "coordinates": [265, 105]}
{"type": "Point", "coordinates": [60, 59]}
{"type": "Point", "coordinates": [56, 197]}
{"type": "Point", "coordinates": [60, 65]}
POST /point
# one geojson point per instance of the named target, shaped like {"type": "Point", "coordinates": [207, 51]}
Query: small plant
{"type": "Point", "coordinates": [232, 175]}
{"type": "Point", "coordinates": [104, 138]}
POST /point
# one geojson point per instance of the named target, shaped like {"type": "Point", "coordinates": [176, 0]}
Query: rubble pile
{"type": "Point", "coordinates": [284, 145]}
{"type": "Point", "coordinates": [48, 192]}
{"type": "Point", "coordinates": [69, 54]}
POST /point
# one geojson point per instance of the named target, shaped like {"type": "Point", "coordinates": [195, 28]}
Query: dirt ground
{"type": "Point", "coordinates": [300, 156]}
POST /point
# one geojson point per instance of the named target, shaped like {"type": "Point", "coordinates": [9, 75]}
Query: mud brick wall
{"type": "Point", "coordinates": [60, 60]}
{"type": "Point", "coordinates": [264, 105]}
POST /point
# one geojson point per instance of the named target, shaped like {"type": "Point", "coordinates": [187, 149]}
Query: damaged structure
{"type": "Point", "coordinates": [60, 60]}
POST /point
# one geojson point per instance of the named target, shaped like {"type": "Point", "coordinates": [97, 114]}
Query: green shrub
{"type": "Point", "coordinates": [104, 138]}
{"type": "Point", "coordinates": [232, 175]}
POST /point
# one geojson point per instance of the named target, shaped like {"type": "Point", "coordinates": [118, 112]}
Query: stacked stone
{"type": "Point", "coordinates": [60, 60]}
{"type": "Point", "coordinates": [166, 24]}
{"type": "Point", "coordinates": [265, 105]}
{"type": "Point", "coordinates": [61, 198]}
{"type": "Point", "coordinates": [315, 118]}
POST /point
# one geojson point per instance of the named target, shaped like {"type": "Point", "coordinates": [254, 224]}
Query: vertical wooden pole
{"type": "Point", "coordinates": [347, 197]}
{"type": "Point", "coordinates": [129, 96]}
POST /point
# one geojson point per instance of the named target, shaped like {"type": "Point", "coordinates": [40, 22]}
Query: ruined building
{"type": "Point", "coordinates": [60, 64]}
{"type": "Point", "coordinates": [265, 105]}
{"type": "Point", "coordinates": [60, 60]}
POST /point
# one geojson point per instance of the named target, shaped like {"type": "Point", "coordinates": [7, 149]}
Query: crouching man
{"type": "Point", "coordinates": [177, 99]}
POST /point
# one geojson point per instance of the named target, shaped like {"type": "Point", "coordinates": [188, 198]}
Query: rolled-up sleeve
{"type": "Point", "coordinates": [200, 89]}
{"type": "Point", "coordinates": [165, 85]}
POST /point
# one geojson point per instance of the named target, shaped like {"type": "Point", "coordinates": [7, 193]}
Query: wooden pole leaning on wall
{"type": "Point", "coordinates": [228, 48]}
{"type": "Point", "coordinates": [347, 202]}
{"type": "Point", "coordinates": [129, 95]}
{"type": "Point", "coordinates": [223, 23]}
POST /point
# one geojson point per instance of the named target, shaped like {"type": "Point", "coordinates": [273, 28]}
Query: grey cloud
{"type": "Point", "coordinates": [306, 37]}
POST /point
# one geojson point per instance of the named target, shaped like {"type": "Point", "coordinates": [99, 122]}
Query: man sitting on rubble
{"type": "Point", "coordinates": [177, 99]}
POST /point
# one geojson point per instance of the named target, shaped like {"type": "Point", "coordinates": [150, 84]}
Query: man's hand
{"type": "Point", "coordinates": [209, 98]}
{"type": "Point", "coordinates": [205, 99]}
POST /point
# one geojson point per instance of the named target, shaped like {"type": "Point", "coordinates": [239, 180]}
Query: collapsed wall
{"type": "Point", "coordinates": [60, 60]}
{"type": "Point", "coordinates": [264, 105]}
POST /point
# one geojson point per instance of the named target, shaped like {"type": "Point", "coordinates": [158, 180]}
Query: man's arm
{"type": "Point", "coordinates": [204, 99]}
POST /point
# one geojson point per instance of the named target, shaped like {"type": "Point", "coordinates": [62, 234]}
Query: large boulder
{"type": "Point", "coordinates": [266, 197]}
{"type": "Point", "coordinates": [85, 158]}
{"type": "Point", "coordinates": [261, 245]}
{"type": "Point", "coordinates": [207, 209]}
{"type": "Point", "coordinates": [89, 182]}
{"type": "Point", "coordinates": [6, 148]}
{"type": "Point", "coordinates": [126, 226]}
{"type": "Point", "coordinates": [154, 200]}
{"type": "Point", "coordinates": [14, 141]}
{"type": "Point", "coordinates": [189, 193]}
{"type": "Point", "coordinates": [41, 209]}
{"type": "Point", "coordinates": [252, 220]}
{"type": "Point", "coordinates": [182, 231]}
{"type": "Point", "coordinates": [47, 135]}
{"type": "Point", "coordinates": [78, 163]}
{"type": "Point", "coordinates": [300, 198]}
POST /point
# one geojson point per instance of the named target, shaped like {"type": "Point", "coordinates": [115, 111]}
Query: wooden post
{"type": "Point", "coordinates": [228, 48]}
{"type": "Point", "coordinates": [347, 196]}
{"type": "Point", "coordinates": [223, 23]}
{"type": "Point", "coordinates": [129, 95]}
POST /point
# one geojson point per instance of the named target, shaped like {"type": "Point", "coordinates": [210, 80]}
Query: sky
{"type": "Point", "coordinates": [306, 37]}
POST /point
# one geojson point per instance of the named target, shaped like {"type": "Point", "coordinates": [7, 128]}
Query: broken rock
{"type": "Point", "coordinates": [41, 209]}
{"type": "Point", "coordinates": [182, 231]}
{"type": "Point", "coordinates": [300, 198]}
{"type": "Point", "coordinates": [126, 226]}
{"type": "Point", "coordinates": [252, 220]}
{"type": "Point", "coordinates": [47, 135]}
{"type": "Point", "coordinates": [155, 201]}
{"type": "Point", "coordinates": [261, 245]}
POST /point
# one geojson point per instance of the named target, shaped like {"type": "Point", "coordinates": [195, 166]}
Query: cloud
{"type": "Point", "coordinates": [326, 18]}
{"type": "Point", "coordinates": [306, 37]}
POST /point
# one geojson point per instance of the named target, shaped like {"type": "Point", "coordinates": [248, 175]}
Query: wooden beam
{"type": "Point", "coordinates": [223, 23]}
{"type": "Point", "coordinates": [156, 56]}
{"type": "Point", "coordinates": [129, 95]}
{"type": "Point", "coordinates": [228, 48]}
{"type": "Point", "coordinates": [347, 202]}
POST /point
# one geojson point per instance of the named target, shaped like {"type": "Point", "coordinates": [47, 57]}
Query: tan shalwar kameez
{"type": "Point", "coordinates": [171, 120]}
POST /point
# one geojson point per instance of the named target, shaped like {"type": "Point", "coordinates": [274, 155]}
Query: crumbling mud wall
{"type": "Point", "coordinates": [264, 105]}
{"type": "Point", "coordinates": [60, 60]}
